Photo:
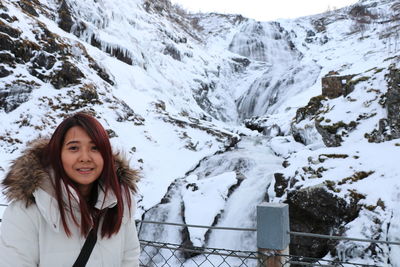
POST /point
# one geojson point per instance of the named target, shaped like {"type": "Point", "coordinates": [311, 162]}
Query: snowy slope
{"type": "Point", "coordinates": [176, 90]}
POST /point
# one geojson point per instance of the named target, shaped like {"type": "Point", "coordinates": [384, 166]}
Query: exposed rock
{"type": "Point", "coordinates": [320, 24]}
{"type": "Point", "coordinates": [311, 109]}
{"type": "Point", "coordinates": [101, 72]}
{"type": "Point", "coordinates": [161, 6]}
{"type": "Point", "coordinates": [4, 72]}
{"type": "Point", "coordinates": [67, 75]}
{"type": "Point", "coordinates": [330, 133]}
{"type": "Point", "coordinates": [65, 21]}
{"type": "Point", "coordinates": [262, 125]}
{"type": "Point", "coordinates": [334, 86]}
{"type": "Point", "coordinates": [93, 64]}
{"type": "Point", "coordinates": [389, 128]}
{"type": "Point", "coordinates": [126, 113]}
{"type": "Point", "coordinates": [7, 58]}
{"type": "Point", "coordinates": [314, 210]}
{"type": "Point", "coordinates": [24, 50]}
{"type": "Point", "coordinates": [7, 17]}
{"type": "Point", "coordinates": [43, 60]}
{"type": "Point", "coordinates": [117, 52]}
{"type": "Point", "coordinates": [95, 42]}
{"type": "Point", "coordinates": [89, 93]}
{"type": "Point", "coordinates": [240, 63]}
{"type": "Point", "coordinates": [111, 133]}
{"type": "Point", "coordinates": [254, 124]}
{"type": "Point", "coordinates": [50, 42]}
{"type": "Point", "coordinates": [173, 52]}
{"type": "Point", "coordinates": [28, 7]}
{"type": "Point", "coordinates": [6, 43]}
{"type": "Point", "coordinates": [310, 37]}
{"type": "Point", "coordinates": [13, 95]}
{"type": "Point", "coordinates": [9, 30]}
{"type": "Point", "coordinates": [281, 183]}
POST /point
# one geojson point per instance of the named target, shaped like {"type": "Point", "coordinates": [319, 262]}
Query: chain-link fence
{"type": "Point", "coordinates": [167, 254]}
{"type": "Point", "coordinates": [157, 254]}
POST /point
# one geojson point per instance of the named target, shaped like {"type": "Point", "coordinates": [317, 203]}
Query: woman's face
{"type": "Point", "coordinates": [81, 159]}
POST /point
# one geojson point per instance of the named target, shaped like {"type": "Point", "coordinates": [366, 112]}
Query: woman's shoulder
{"type": "Point", "coordinates": [19, 212]}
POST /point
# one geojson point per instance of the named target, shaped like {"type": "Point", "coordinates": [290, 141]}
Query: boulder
{"type": "Point", "coordinates": [4, 72]}
{"type": "Point", "coordinates": [315, 210]}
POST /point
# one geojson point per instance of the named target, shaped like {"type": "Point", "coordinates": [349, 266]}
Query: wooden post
{"type": "Point", "coordinates": [273, 233]}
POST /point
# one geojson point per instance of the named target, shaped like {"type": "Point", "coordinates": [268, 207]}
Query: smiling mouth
{"type": "Point", "coordinates": [85, 170]}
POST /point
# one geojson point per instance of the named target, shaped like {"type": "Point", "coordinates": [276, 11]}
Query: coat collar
{"type": "Point", "coordinates": [47, 204]}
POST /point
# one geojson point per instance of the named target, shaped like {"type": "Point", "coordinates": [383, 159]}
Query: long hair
{"type": "Point", "coordinates": [108, 180]}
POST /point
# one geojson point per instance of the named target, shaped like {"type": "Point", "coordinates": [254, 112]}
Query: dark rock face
{"type": "Point", "coordinates": [9, 30]}
{"type": "Point", "coordinates": [173, 52]}
{"type": "Point", "coordinates": [68, 75]}
{"type": "Point", "coordinates": [6, 43]}
{"type": "Point", "coordinates": [315, 210]}
{"type": "Point", "coordinates": [240, 64]}
{"type": "Point", "coordinates": [261, 125]}
{"type": "Point", "coordinates": [255, 124]}
{"type": "Point", "coordinates": [4, 72]}
{"type": "Point", "coordinates": [28, 7]}
{"type": "Point", "coordinates": [334, 86]}
{"type": "Point", "coordinates": [101, 72]}
{"type": "Point", "coordinates": [65, 21]}
{"type": "Point", "coordinates": [281, 183]}
{"type": "Point", "coordinates": [330, 134]}
{"type": "Point", "coordinates": [14, 95]}
{"type": "Point", "coordinates": [7, 58]}
{"type": "Point", "coordinates": [389, 128]}
{"type": "Point", "coordinates": [43, 60]}
{"type": "Point", "coordinates": [118, 53]}
{"type": "Point", "coordinates": [311, 109]}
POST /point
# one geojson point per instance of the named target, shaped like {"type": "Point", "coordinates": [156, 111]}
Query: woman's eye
{"type": "Point", "coordinates": [73, 148]}
{"type": "Point", "coordinates": [95, 148]}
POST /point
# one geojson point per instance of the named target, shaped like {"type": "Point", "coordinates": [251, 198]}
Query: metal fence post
{"type": "Point", "coordinates": [273, 232]}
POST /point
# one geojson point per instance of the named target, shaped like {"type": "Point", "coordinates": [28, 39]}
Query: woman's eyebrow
{"type": "Point", "coordinates": [76, 142]}
{"type": "Point", "coordinates": [72, 142]}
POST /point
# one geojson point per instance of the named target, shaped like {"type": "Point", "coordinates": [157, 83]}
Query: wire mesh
{"type": "Point", "coordinates": [157, 254]}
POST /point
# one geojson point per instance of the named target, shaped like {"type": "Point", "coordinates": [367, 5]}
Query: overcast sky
{"type": "Point", "coordinates": [264, 10]}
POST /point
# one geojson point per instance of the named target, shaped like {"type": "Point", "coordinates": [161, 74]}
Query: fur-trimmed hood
{"type": "Point", "coordinates": [27, 174]}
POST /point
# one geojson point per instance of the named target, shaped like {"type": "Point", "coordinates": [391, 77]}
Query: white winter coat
{"type": "Point", "coordinates": [32, 233]}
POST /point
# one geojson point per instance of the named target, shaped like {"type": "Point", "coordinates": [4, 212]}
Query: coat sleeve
{"type": "Point", "coordinates": [132, 246]}
{"type": "Point", "coordinates": [19, 244]}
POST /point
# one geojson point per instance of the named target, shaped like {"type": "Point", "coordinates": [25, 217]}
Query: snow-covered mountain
{"type": "Point", "coordinates": [221, 112]}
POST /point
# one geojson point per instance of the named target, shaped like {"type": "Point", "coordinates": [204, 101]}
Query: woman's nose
{"type": "Point", "coordinates": [84, 156]}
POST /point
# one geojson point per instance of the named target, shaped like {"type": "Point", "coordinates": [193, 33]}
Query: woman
{"type": "Point", "coordinates": [63, 188]}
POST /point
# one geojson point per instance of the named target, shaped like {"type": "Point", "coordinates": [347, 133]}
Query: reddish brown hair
{"type": "Point", "coordinates": [108, 180]}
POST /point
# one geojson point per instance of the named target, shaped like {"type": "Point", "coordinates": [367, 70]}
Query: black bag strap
{"type": "Point", "coordinates": [86, 249]}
